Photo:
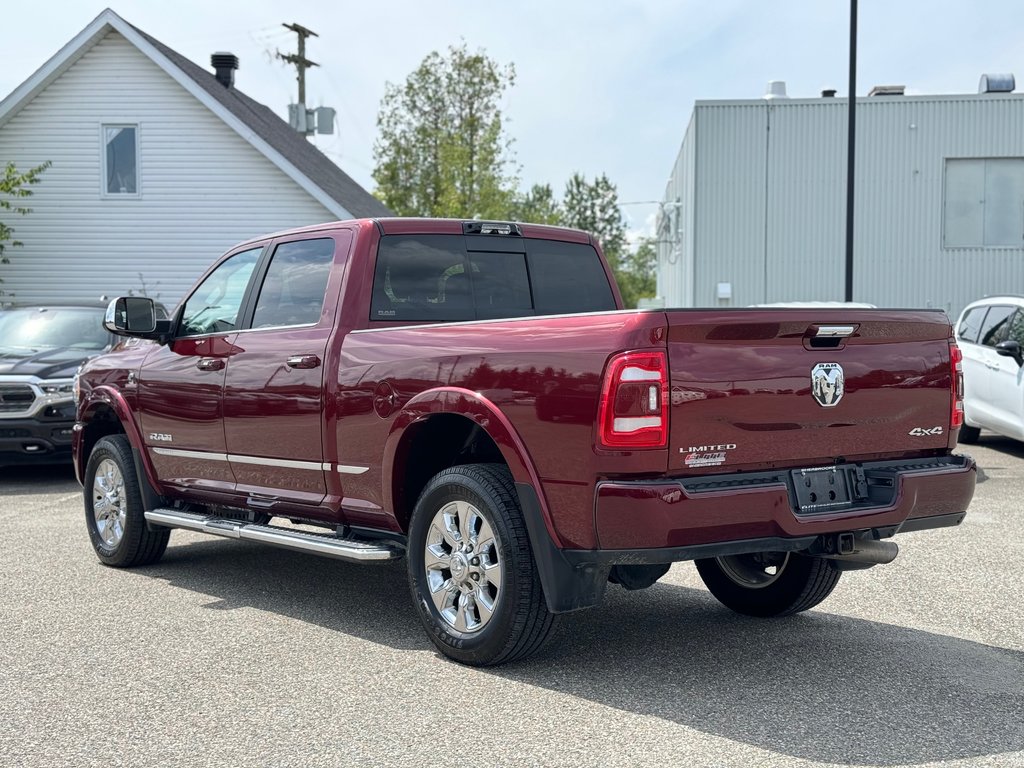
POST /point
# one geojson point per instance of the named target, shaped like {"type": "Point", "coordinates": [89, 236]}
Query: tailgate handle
{"type": "Point", "coordinates": [828, 336]}
{"type": "Point", "coordinates": [834, 331]}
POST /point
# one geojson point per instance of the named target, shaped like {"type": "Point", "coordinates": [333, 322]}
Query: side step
{"type": "Point", "coordinates": [327, 544]}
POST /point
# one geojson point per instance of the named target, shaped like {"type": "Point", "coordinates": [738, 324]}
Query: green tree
{"type": "Point", "coordinates": [637, 274]}
{"type": "Point", "coordinates": [594, 207]}
{"type": "Point", "coordinates": [442, 148]}
{"type": "Point", "coordinates": [14, 188]}
{"type": "Point", "coordinates": [538, 206]}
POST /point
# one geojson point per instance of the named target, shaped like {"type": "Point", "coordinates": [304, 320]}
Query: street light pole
{"type": "Point", "coordinates": [850, 146]}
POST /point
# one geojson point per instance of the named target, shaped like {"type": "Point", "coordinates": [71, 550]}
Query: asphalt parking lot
{"type": "Point", "coordinates": [227, 653]}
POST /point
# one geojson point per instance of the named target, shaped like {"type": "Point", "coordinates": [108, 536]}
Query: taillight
{"type": "Point", "coordinates": [634, 407]}
{"type": "Point", "coordinates": [956, 386]}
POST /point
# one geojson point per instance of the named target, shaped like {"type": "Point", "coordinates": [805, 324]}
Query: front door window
{"type": "Point", "coordinates": [215, 306]}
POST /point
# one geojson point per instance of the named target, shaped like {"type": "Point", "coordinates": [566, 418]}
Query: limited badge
{"type": "Point", "coordinates": [827, 384]}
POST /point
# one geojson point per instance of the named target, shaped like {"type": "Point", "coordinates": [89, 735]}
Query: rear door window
{"type": "Point", "coordinates": [971, 324]}
{"type": "Point", "coordinates": [995, 326]}
{"type": "Point", "coordinates": [293, 289]}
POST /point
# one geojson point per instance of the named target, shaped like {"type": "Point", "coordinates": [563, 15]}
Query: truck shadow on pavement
{"type": "Point", "coordinates": [45, 479]}
{"type": "Point", "coordinates": [1005, 445]}
{"type": "Point", "coordinates": [816, 686]}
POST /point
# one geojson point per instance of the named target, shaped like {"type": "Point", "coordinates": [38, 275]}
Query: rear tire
{"type": "Point", "coordinates": [471, 569]}
{"type": "Point", "coordinates": [968, 434]}
{"type": "Point", "coordinates": [769, 583]}
{"type": "Point", "coordinates": [114, 515]}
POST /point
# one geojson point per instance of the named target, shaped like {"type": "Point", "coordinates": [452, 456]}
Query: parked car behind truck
{"type": "Point", "coordinates": [991, 333]}
{"type": "Point", "coordinates": [385, 386]}
{"type": "Point", "coordinates": [41, 347]}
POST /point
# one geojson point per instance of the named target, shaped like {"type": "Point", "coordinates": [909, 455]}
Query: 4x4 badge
{"type": "Point", "coordinates": [827, 384]}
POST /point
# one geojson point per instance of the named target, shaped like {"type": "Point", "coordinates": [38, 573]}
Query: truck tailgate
{"type": "Point", "coordinates": [761, 388]}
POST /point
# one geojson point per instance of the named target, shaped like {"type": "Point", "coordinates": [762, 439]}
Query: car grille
{"type": "Point", "coordinates": [16, 398]}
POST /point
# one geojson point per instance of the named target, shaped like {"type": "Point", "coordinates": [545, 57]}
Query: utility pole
{"type": "Point", "coordinates": [850, 147]}
{"type": "Point", "coordinates": [299, 60]}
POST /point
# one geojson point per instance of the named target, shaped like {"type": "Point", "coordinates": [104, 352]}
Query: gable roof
{"type": "Point", "coordinates": [254, 122]}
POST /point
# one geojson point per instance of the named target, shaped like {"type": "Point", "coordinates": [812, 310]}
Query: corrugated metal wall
{"type": "Point", "coordinates": [203, 187]}
{"type": "Point", "coordinates": [729, 207]}
{"type": "Point", "coordinates": [675, 226]}
{"type": "Point", "coordinates": [770, 208]}
{"type": "Point", "coordinates": [806, 233]}
{"type": "Point", "coordinates": [900, 258]}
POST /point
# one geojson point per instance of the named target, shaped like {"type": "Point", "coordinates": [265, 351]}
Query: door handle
{"type": "Point", "coordinates": [303, 361]}
{"type": "Point", "coordinates": [210, 364]}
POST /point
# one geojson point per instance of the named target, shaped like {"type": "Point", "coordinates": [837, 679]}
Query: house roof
{"type": "Point", "coordinates": [254, 122]}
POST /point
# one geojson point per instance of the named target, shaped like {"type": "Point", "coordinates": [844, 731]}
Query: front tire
{"type": "Point", "coordinates": [114, 515]}
{"type": "Point", "coordinates": [769, 583]}
{"type": "Point", "coordinates": [471, 569]}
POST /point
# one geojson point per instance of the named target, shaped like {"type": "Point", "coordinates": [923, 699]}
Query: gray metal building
{"type": "Point", "coordinates": [755, 208]}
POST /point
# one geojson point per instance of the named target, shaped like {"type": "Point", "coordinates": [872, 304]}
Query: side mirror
{"type": "Point", "coordinates": [1011, 349]}
{"type": "Point", "coordinates": [130, 316]}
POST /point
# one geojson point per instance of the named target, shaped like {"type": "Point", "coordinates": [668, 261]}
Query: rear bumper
{"type": "Point", "coordinates": [696, 512]}
{"type": "Point", "coordinates": [647, 522]}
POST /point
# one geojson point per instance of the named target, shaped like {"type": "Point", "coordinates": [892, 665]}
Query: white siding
{"type": "Point", "coordinates": [203, 188]}
{"type": "Point", "coordinates": [773, 221]}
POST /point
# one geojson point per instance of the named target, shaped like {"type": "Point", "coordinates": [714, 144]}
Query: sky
{"type": "Point", "coordinates": [601, 87]}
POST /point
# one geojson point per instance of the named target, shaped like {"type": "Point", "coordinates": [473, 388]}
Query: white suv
{"type": "Point", "coordinates": [990, 333]}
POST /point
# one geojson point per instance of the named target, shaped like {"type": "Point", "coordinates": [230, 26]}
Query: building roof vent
{"type": "Point", "coordinates": [888, 90]}
{"type": "Point", "coordinates": [997, 83]}
{"type": "Point", "coordinates": [828, 93]}
{"type": "Point", "coordinates": [776, 90]}
{"type": "Point", "coordinates": [225, 65]}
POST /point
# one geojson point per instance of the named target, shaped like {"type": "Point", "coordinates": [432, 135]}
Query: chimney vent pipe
{"type": "Point", "coordinates": [225, 65]}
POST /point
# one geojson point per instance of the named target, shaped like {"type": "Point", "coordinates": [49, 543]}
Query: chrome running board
{"type": "Point", "coordinates": [326, 544]}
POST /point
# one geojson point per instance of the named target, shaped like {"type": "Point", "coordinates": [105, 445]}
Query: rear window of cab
{"type": "Point", "coordinates": [451, 278]}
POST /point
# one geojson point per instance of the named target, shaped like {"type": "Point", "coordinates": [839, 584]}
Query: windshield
{"type": "Point", "coordinates": [39, 328]}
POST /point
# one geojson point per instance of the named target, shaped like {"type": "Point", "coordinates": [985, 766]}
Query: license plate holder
{"type": "Point", "coordinates": [821, 489]}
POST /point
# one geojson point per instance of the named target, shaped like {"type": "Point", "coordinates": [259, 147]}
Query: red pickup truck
{"type": "Point", "coordinates": [471, 396]}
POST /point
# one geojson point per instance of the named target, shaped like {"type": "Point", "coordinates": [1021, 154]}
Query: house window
{"type": "Point", "coordinates": [120, 160]}
{"type": "Point", "coordinates": [984, 203]}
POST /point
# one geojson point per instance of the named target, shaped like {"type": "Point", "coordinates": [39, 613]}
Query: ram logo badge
{"type": "Point", "coordinates": [160, 437]}
{"type": "Point", "coordinates": [924, 432]}
{"type": "Point", "coordinates": [827, 384]}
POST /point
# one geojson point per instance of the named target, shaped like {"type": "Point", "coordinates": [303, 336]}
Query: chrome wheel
{"type": "Point", "coordinates": [754, 571]}
{"type": "Point", "coordinates": [463, 569]}
{"type": "Point", "coordinates": [109, 504]}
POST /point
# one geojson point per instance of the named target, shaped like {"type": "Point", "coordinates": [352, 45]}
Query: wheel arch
{"type": "Point", "coordinates": [446, 427]}
{"type": "Point", "coordinates": [106, 413]}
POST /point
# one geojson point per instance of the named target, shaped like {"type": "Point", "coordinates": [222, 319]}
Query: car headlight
{"type": "Point", "coordinates": [58, 391]}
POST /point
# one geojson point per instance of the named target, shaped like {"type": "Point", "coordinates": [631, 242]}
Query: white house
{"type": "Point", "coordinates": [755, 208]}
{"type": "Point", "coordinates": [158, 167]}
